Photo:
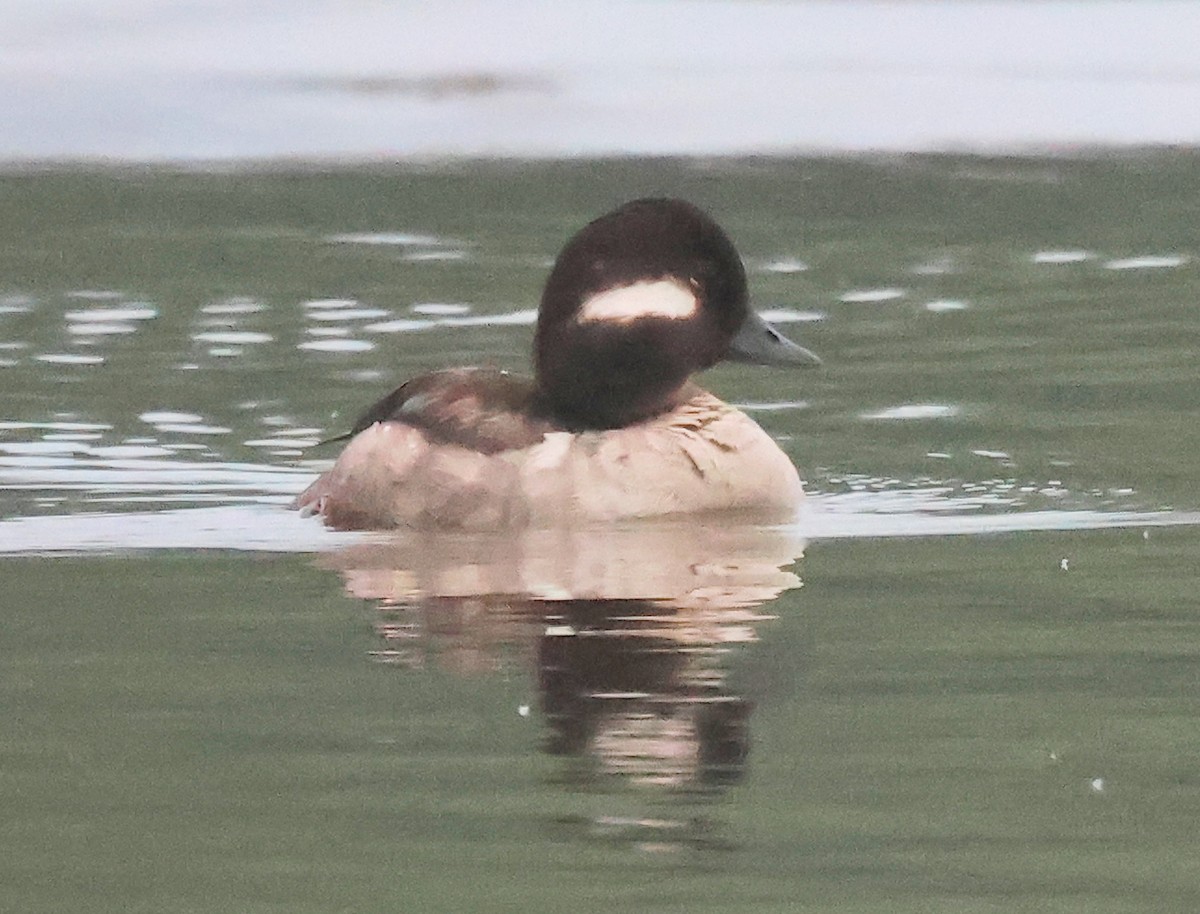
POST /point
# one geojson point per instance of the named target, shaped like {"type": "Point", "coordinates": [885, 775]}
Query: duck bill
{"type": "Point", "coordinates": [762, 344]}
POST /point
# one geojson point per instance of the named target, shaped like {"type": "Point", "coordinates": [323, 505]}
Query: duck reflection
{"type": "Point", "coordinates": [628, 628]}
{"type": "Point", "coordinates": [639, 689]}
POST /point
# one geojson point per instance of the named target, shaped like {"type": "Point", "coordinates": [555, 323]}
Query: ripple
{"type": "Point", "coordinates": [99, 329]}
{"type": "Point", "coordinates": [1061, 257]}
{"type": "Point", "coordinates": [42, 448]}
{"type": "Point", "coordinates": [233, 306]}
{"type": "Point", "coordinates": [872, 295]}
{"type": "Point", "coordinates": [401, 325]}
{"type": "Point", "coordinates": [770, 406]}
{"type": "Point", "coordinates": [73, 436]}
{"type": "Point", "coordinates": [98, 473]}
{"type": "Point", "coordinates": [791, 316]}
{"type": "Point", "coordinates": [253, 527]}
{"type": "Point", "coordinates": [349, 314]}
{"type": "Point", "coordinates": [337, 345]}
{"type": "Point", "coordinates": [189, 428]}
{"type": "Point", "coordinates": [135, 311]}
{"type": "Point", "coordinates": [96, 295]}
{"type": "Point", "coordinates": [387, 239]}
{"type": "Point", "coordinates": [16, 303]}
{"type": "Point", "coordinates": [870, 515]}
{"type": "Point", "coordinates": [784, 265]}
{"type": "Point", "coordinates": [326, 304]}
{"type": "Point", "coordinates": [234, 337]}
{"type": "Point", "coordinates": [915, 411]}
{"type": "Point", "coordinates": [129, 451]}
{"type": "Point", "coordinates": [440, 309]}
{"type": "Point", "coordinates": [298, 432]}
{"type": "Point", "coordinates": [1148, 262]}
{"type": "Point", "coordinates": [67, 358]}
{"type": "Point", "coordinates": [154, 417]}
{"type": "Point", "coordinates": [57, 426]}
{"type": "Point", "coordinates": [525, 318]}
{"type": "Point", "coordinates": [937, 267]}
{"type": "Point", "coordinates": [258, 524]}
{"type": "Point", "coordinates": [435, 256]}
{"type": "Point", "coordinates": [942, 305]}
{"type": "Point", "coordinates": [283, 445]}
{"type": "Point", "coordinates": [361, 376]}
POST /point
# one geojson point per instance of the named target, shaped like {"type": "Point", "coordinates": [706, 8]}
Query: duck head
{"type": "Point", "coordinates": [638, 301]}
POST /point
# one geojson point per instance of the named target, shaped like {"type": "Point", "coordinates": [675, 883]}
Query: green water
{"type": "Point", "coordinates": [1079, 373]}
{"type": "Point", "coordinates": [208, 733]}
{"type": "Point", "coordinates": [938, 724]}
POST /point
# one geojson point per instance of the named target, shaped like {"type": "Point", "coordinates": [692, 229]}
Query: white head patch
{"type": "Point", "coordinates": [667, 298]}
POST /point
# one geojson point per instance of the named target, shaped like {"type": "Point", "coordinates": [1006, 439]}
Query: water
{"type": "Point", "coordinates": [981, 698]}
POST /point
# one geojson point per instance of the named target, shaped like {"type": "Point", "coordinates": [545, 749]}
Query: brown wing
{"type": "Point", "coordinates": [482, 409]}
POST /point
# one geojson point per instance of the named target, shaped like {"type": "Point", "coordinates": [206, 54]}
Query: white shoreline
{"type": "Point", "coordinates": [218, 81]}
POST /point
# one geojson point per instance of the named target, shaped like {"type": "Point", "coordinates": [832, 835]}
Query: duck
{"type": "Point", "coordinates": [611, 427]}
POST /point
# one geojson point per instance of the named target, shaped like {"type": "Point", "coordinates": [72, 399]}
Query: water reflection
{"type": "Point", "coordinates": [628, 633]}
{"type": "Point", "coordinates": [639, 693]}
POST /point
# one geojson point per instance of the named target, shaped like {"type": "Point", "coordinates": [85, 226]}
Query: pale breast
{"type": "Point", "coordinates": [703, 456]}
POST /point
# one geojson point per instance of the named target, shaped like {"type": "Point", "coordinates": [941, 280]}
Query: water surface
{"type": "Point", "coordinates": [982, 697]}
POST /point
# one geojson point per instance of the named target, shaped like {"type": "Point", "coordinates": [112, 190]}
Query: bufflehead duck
{"type": "Point", "coordinates": [611, 426]}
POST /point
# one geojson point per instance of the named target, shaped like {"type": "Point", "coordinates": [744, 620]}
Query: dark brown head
{"type": "Point", "coordinates": [638, 301]}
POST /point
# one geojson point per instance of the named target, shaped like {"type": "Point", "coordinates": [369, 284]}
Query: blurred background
{"type": "Point", "coordinates": [216, 79]}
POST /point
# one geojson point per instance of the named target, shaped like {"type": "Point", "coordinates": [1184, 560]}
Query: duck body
{"type": "Point", "coordinates": [478, 457]}
{"type": "Point", "coordinates": [610, 427]}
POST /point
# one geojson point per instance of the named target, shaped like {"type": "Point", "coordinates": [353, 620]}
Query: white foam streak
{"type": "Point", "coordinates": [68, 358]}
{"type": "Point", "coordinates": [233, 337]}
{"type": "Point", "coordinates": [333, 344]}
{"type": "Point", "coordinates": [872, 295]}
{"type": "Point", "coordinates": [267, 527]}
{"type": "Point", "coordinates": [133, 312]}
{"type": "Point", "coordinates": [791, 316]}
{"type": "Point", "coordinates": [386, 239]}
{"type": "Point", "coordinates": [825, 517]}
{"type": "Point", "coordinates": [1058, 258]}
{"type": "Point", "coordinates": [257, 528]}
{"type": "Point", "coordinates": [1148, 262]}
{"type": "Point", "coordinates": [915, 411]}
